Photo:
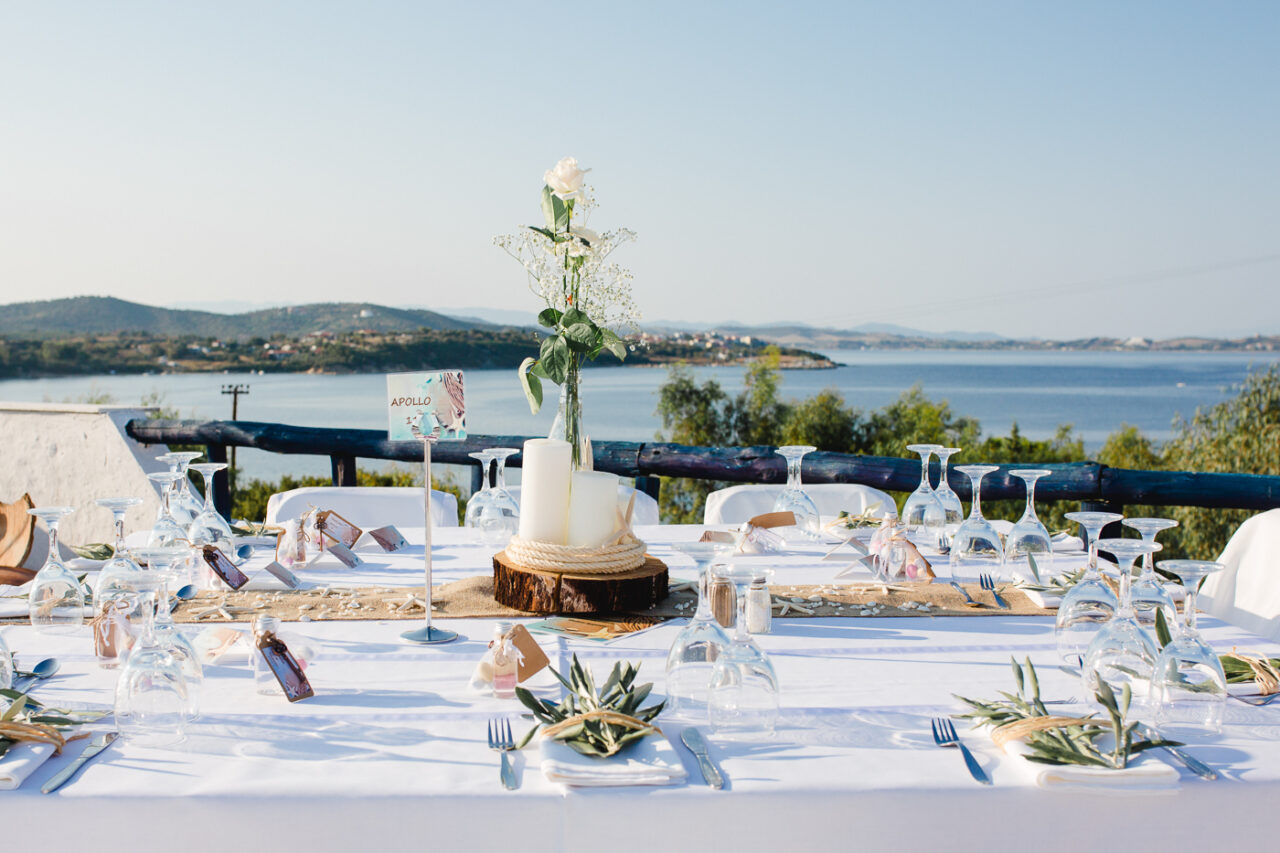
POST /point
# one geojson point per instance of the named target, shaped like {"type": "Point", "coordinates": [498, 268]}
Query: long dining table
{"type": "Point", "coordinates": [391, 753]}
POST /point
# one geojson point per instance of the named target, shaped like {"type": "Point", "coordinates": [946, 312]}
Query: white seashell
{"type": "Point", "coordinates": [815, 598]}
{"type": "Point", "coordinates": [865, 613]}
{"type": "Point", "coordinates": [304, 618]}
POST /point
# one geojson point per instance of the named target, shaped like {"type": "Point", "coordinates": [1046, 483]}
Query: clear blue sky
{"type": "Point", "coordinates": [1036, 168]}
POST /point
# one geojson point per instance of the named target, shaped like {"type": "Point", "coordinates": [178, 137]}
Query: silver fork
{"type": "Point", "coordinates": [988, 583]}
{"type": "Point", "coordinates": [500, 739]}
{"type": "Point", "coordinates": [944, 734]}
{"type": "Point", "coordinates": [1256, 701]}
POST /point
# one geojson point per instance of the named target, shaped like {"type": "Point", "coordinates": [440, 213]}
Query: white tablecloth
{"type": "Point", "coordinates": [391, 752]}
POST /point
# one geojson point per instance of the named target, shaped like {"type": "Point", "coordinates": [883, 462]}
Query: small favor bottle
{"type": "Point", "coordinates": [505, 665]}
{"type": "Point", "coordinates": [759, 607]}
{"type": "Point", "coordinates": [264, 680]}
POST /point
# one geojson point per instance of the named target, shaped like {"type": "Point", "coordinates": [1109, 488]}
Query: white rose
{"type": "Point", "coordinates": [585, 234]}
{"type": "Point", "coordinates": [566, 178]}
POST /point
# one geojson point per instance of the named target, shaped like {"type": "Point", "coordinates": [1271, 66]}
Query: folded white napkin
{"type": "Point", "coordinates": [13, 607]}
{"type": "Point", "coordinates": [1051, 600]}
{"type": "Point", "coordinates": [651, 761]}
{"type": "Point", "coordinates": [21, 761]}
{"type": "Point", "coordinates": [1149, 777]}
{"type": "Point", "coordinates": [1067, 543]}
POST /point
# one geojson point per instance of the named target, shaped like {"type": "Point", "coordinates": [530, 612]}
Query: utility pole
{"type": "Point", "coordinates": [235, 391]}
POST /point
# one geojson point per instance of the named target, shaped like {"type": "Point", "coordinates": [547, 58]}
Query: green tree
{"type": "Point", "coordinates": [913, 418]}
{"type": "Point", "coordinates": [250, 500]}
{"type": "Point", "coordinates": [824, 421]}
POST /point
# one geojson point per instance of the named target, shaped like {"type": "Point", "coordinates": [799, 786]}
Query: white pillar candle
{"type": "Point", "coordinates": [593, 507]}
{"type": "Point", "coordinates": [544, 490]}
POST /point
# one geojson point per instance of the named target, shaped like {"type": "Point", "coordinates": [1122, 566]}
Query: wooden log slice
{"type": "Point", "coordinates": [545, 591]}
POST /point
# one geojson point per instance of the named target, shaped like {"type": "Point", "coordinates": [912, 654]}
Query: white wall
{"type": "Point", "coordinates": [71, 454]}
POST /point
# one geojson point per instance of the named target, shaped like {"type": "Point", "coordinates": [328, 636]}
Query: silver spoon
{"type": "Point", "coordinates": [186, 593]}
{"type": "Point", "coordinates": [44, 669]}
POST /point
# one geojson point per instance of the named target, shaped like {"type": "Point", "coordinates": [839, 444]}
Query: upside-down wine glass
{"type": "Point", "coordinates": [168, 566]}
{"type": "Point", "coordinates": [1188, 687]}
{"type": "Point", "coordinates": [151, 694]}
{"type": "Point", "coordinates": [185, 505]}
{"type": "Point", "coordinates": [947, 497]}
{"type": "Point", "coordinates": [55, 601]}
{"type": "Point", "coordinates": [167, 531]}
{"type": "Point", "coordinates": [1122, 652]}
{"type": "Point", "coordinates": [504, 518]}
{"type": "Point", "coordinates": [977, 543]}
{"type": "Point", "coordinates": [121, 565]}
{"type": "Point", "coordinates": [794, 498]}
{"type": "Point", "coordinates": [1029, 538]}
{"type": "Point", "coordinates": [923, 514]}
{"type": "Point", "coordinates": [743, 701]}
{"type": "Point", "coordinates": [209, 527]}
{"type": "Point", "coordinates": [693, 654]}
{"type": "Point", "coordinates": [480, 499]}
{"type": "Point", "coordinates": [1148, 591]}
{"type": "Point", "coordinates": [1090, 602]}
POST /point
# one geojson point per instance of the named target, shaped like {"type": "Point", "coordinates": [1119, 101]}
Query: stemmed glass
{"type": "Point", "coordinates": [923, 514]}
{"type": "Point", "coordinates": [151, 694]}
{"type": "Point", "coordinates": [694, 652]}
{"type": "Point", "coordinates": [6, 664]}
{"type": "Point", "coordinates": [492, 510]}
{"type": "Point", "coordinates": [947, 497]}
{"type": "Point", "coordinates": [1188, 687]}
{"type": "Point", "coordinates": [1148, 592]}
{"type": "Point", "coordinates": [1089, 603]}
{"type": "Point", "coordinates": [209, 527]}
{"type": "Point", "coordinates": [744, 687]}
{"type": "Point", "coordinates": [794, 498]}
{"type": "Point", "coordinates": [503, 501]}
{"type": "Point", "coordinates": [977, 543]}
{"type": "Point", "coordinates": [162, 567]}
{"type": "Point", "coordinates": [56, 600]}
{"type": "Point", "coordinates": [1029, 538]}
{"type": "Point", "coordinates": [185, 505]}
{"type": "Point", "coordinates": [121, 566]}
{"type": "Point", "coordinates": [167, 531]}
{"type": "Point", "coordinates": [1122, 652]}
{"type": "Point", "coordinates": [477, 502]}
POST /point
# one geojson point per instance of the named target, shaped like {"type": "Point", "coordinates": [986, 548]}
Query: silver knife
{"type": "Point", "coordinates": [99, 743]}
{"type": "Point", "coordinates": [698, 746]}
{"type": "Point", "coordinates": [1192, 763]}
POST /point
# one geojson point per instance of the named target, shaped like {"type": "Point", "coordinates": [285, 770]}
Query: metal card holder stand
{"type": "Point", "coordinates": [428, 634]}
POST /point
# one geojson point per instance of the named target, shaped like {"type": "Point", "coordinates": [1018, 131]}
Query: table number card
{"type": "Point", "coordinates": [345, 555]}
{"type": "Point", "coordinates": [426, 405]}
{"type": "Point", "coordinates": [283, 575]}
{"type": "Point", "coordinates": [389, 539]}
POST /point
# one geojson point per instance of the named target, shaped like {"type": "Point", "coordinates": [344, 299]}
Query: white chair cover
{"type": "Point", "coordinates": [737, 504]}
{"type": "Point", "coordinates": [645, 512]}
{"type": "Point", "coordinates": [1247, 592]}
{"type": "Point", "coordinates": [366, 506]}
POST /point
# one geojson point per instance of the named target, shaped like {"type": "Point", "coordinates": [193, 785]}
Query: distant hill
{"type": "Point", "coordinates": [105, 315]}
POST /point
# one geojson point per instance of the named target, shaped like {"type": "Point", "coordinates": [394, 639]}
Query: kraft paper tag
{"type": "Point", "coordinates": [389, 539]}
{"type": "Point", "coordinates": [285, 667]}
{"type": "Point", "coordinates": [285, 576]}
{"type": "Point", "coordinates": [337, 528]}
{"type": "Point", "coordinates": [349, 558]}
{"type": "Point", "coordinates": [532, 658]}
{"type": "Point", "coordinates": [774, 519]}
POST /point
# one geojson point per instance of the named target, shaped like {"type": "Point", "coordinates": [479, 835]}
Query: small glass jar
{"type": "Point", "coordinates": [759, 607]}
{"type": "Point", "coordinates": [264, 680]}
{"type": "Point", "coordinates": [505, 664]}
{"type": "Point", "coordinates": [724, 602]}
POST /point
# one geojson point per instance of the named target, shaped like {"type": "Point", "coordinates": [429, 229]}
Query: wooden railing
{"type": "Point", "coordinates": [1090, 483]}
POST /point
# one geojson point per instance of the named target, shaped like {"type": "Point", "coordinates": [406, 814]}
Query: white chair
{"type": "Point", "coordinates": [366, 506]}
{"type": "Point", "coordinates": [1247, 592]}
{"type": "Point", "coordinates": [737, 504]}
{"type": "Point", "coordinates": [645, 512]}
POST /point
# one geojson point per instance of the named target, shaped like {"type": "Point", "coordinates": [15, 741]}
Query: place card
{"type": "Point", "coordinates": [223, 568]}
{"type": "Point", "coordinates": [389, 539]}
{"type": "Point", "coordinates": [337, 528]}
{"type": "Point", "coordinates": [285, 576]}
{"type": "Point", "coordinates": [773, 519]}
{"type": "Point", "coordinates": [284, 666]}
{"type": "Point", "coordinates": [349, 558]}
{"type": "Point", "coordinates": [532, 658]}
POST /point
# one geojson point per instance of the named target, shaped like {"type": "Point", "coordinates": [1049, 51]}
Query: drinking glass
{"type": "Point", "coordinates": [1148, 592]}
{"type": "Point", "coordinates": [168, 567]}
{"type": "Point", "coordinates": [1089, 603]}
{"type": "Point", "coordinates": [794, 498]}
{"type": "Point", "coordinates": [6, 664]}
{"type": "Point", "coordinates": [121, 563]}
{"type": "Point", "coordinates": [977, 544]}
{"type": "Point", "coordinates": [185, 505]}
{"type": "Point", "coordinates": [209, 527]}
{"type": "Point", "coordinates": [167, 531]}
{"type": "Point", "coordinates": [1122, 652]}
{"type": "Point", "coordinates": [924, 516]}
{"type": "Point", "coordinates": [693, 654]}
{"type": "Point", "coordinates": [951, 506]}
{"type": "Point", "coordinates": [479, 500]}
{"type": "Point", "coordinates": [56, 599]}
{"type": "Point", "coordinates": [1188, 687]}
{"type": "Point", "coordinates": [1029, 538]}
{"type": "Point", "coordinates": [744, 687]}
{"type": "Point", "coordinates": [151, 694]}
{"type": "Point", "coordinates": [504, 519]}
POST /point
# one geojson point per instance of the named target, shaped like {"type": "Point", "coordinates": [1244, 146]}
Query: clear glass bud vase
{"type": "Point", "coordinates": [568, 423]}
